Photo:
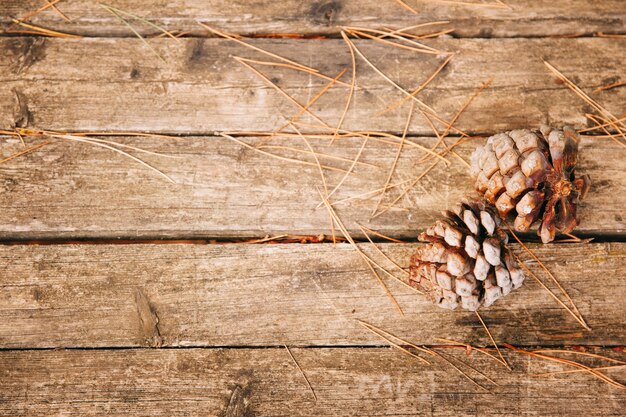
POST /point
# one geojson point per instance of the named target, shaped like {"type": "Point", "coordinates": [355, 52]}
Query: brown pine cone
{"type": "Point", "coordinates": [529, 175]}
{"type": "Point", "coordinates": [466, 260]}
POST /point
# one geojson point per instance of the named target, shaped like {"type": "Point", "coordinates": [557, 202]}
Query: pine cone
{"type": "Point", "coordinates": [466, 260]}
{"type": "Point", "coordinates": [529, 175]}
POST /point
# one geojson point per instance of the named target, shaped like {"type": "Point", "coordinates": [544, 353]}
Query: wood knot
{"type": "Point", "coordinates": [325, 12]}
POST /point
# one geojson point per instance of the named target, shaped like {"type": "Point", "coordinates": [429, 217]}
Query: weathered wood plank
{"type": "Point", "coordinates": [119, 84]}
{"type": "Point", "coordinates": [74, 190]}
{"type": "Point", "coordinates": [524, 18]}
{"type": "Point", "coordinates": [266, 295]}
{"type": "Point", "coordinates": [251, 382]}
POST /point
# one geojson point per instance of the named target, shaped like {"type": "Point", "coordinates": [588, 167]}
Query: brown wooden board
{"type": "Point", "coordinates": [223, 190]}
{"type": "Point", "coordinates": [267, 295]}
{"type": "Point", "coordinates": [523, 18]}
{"type": "Point", "coordinates": [252, 382]}
{"type": "Point", "coordinates": [120, 84]}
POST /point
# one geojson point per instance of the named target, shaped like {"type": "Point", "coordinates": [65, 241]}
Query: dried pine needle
{"type": "Point", "coordinates": [311, 102]}
{"type": "Point", "coordinates": [247, 45]}
{"type": "Point", "coordinates": [121, 19]}
{"type": "Point", "coordinates": [282, 92]}
{"type": "Point", "coordinates": [418, 89]}
{"type": "Point", "coordinates": [113, 148]}
{"type": "Point", "coordinates": [302, 372]}
{"type": "Point", "coordinates": [354, 162]}
{"type": "Point", "coordinates": [25, 151]}
{"type": "Point", "coordinates": [43, 31]}
{"type": "Point", "coordinates": [143, 20]}
{"type": "Point", "coordinates": [407, 7]}
{"type": "Point", "coordinates": [384, 255]}
{"type": "Point", "coordinates": [498, 5]}
{"type": "Point", "coordinates": [577, 316]}
{"type": "Point", "coordinates": [552, 294]}
{"type": "Point", "coordinates": [385, 335]}
{"type": "Point", "coordinates": [422, 50]}
{"type": "Point", "coordinates": [582, 367]}
{"type": "Point", "coordinates": [49, 4]}
{"type": "Point", "coordinates": [614, 121]}
{"type": "Point", "coordinates": [294, 67]}
{"type": "Point", "coordinates": [504, 362]}
{"type": "Point", "coordinates": [352, 87]}
{"type": "Point", "coordinates": [319, 155]}
{"type": "Point", "coordinates": [609, 86]}
{"type": "Point", "coordinates": [395, 161]}
{"type": "Point", "coordinates": [368, 261]}
{"type": "Point", "coordinates": [283, 158]}
{"type": "Point", "coordinates": [480, 350]}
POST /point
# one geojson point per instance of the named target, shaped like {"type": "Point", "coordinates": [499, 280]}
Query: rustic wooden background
{"type": "Point", "coordinates": [112, 300]}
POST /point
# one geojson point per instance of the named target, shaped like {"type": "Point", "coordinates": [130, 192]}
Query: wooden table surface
{"type": "Point", "coordinates": [123, 293]}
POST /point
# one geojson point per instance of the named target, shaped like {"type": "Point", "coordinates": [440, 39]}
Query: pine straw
{"type": "Point", "coordinates": [368, 261]}
{"type": "Point", "coordinates": [608, 117]}
{"type": "Point", "coordinates": [38, 30]}
{"type": "Point", "coordinates": [389, 338]}
{"type": "Point", "coordinates": [610, 86]}
{"type": "Point", "coordinates": [581, 367]}
{"type": "Point", "coordinates": [412, 44]}
{"type": "Point", "coordinates": [574, 311]}
{"type": "Point", "coordinates": [306, 379]}
{"type": "Point", "coordinates": [407, 7]}
{"type": "Point", "coordinates": [113, 146]}
{"type": "Point", "coordinates": [49, 4]}
{"type": "Point", "coordinates": [503, 361]}
{"type": "Point", "coordinates": [25, 151]}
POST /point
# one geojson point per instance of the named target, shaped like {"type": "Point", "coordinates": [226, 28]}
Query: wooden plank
{"type": "Point", "coordinates": [266, 295]}
{"type": "Point", "coordinates": [250, 382]}
{"type": "Point", "coordinates": [524, 18]}
{"type": "Point", "coordinates": [79, 191]}
{"type": "Point", "coordinates": [119, 84]}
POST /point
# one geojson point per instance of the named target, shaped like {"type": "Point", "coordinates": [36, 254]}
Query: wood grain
{"type": "Point", "coordinates": [120, 85]}
{"type": "Point", "coordinates": [524, 18]}
{"type": "Point", "coordinates": [79, 191]}
{"type": "Point", "coordinates": [266, 295]}
{"type": "Point", "coordinates": [252, 382]}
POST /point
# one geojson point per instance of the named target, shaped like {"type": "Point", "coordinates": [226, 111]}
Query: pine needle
{"type": "Point", "coordinates": [610, 86]}
{"type": "Point", "coordinates": [469, 366]}
{"type": "Point", "coordinates": [394, 263]}
{"type": "Point", "coordinates": [311, 102]}
{"type": "Point", "coordinates": [388, 336]}
{"type": "Point", "coordinates": [44, 31]}
{"type": "Point", "coordinates": [282, 92]}
{"type": "Point", "coordinates": [247, 45]}
{"type": "Point", "coordinates": [389, 80]}
{"type": "Point", "coordinates": [354, 162]}
{"type": "Point", "coordinates": [592, 371]}
{"type": "Point", "coordinates": [483, 351]}
{"type": "Point", "coordinates": [319, 166]}
{"type": "Point", "coordinates": [578, 316]}
{"type": "Point", "coordinates": [412, 184]}
{"type": "Point", "coordinates": [25, 151]}
{"type": "Point", "coordinates": [395, 161]}
{"type": "Point", "coordinates": [352, 87]}
{"type": "Point", "coordinates": [572, 371]}
{"type": "Point", "coordinates": [423, 49]}
{"type": "Point", "coordinates": [143, 20]}
{"type": "Point", "coordinates": [375, 233]}
{"type": "Point", "coordinates": [283, 158]}
{"type": "Point", "coordinates": [367, 259]}
{"type": "Point", "coordinates": [503, 361]}
{"type": "Point", "coordinates": [296, 68]}
{"type": "Point", "coordinates": [407, 28]}
{"type": "Point", "coordinates": [459, 370]}
{"type": "Point", "coordinates": [319, 155]}
{"type": "Point", "coordinates": [49, 4]}
{"type": "Point", "coordinates": [612, 119]}
{"type": "Point", "coordinates": [56, 9]}
{"type": "Point", "coordinates": [596, 119]}
{"type": "Point", "coordinates": [498, 5]}
{"type": "Point", "coordinates": [407, 7]}
{"type": "Point", "coordinates": [121, 19]}
{"type": "Point", "coordinates": [557, 299]}
{"type": "Point", "coordinates": [302, 372]}
{"type": "Point", "coordinates": [105, 145]}
{"type": "Point", "coordinates": [418, 89]}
